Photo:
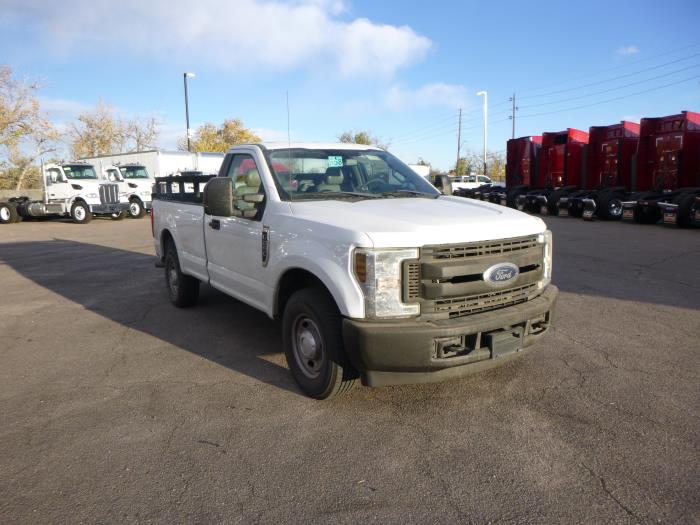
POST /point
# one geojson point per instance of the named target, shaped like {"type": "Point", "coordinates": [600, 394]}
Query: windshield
{"type": "Point", "coordinates": [338, 173]}
{"type": "Point", "coordinates": [80, 172]}
{"type": "Point", "coordinates": [134, 172]}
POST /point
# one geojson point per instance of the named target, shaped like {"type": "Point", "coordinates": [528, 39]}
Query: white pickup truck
{"type": "Point", "coordinates": [374, 274]}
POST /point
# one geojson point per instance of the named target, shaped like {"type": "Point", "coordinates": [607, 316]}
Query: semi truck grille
{"type": "Point", "coordinates": [448, 280]}
{"type": "Point", "coordinates": [109, 193]}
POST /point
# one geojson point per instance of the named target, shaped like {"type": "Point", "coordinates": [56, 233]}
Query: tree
{"type": "Point", "coordinates": [496, 161]}
{"type": "Point", "coordinates": [362, 137]}
{"type": "Point", "coordinates": [100, 132]}
{"type": "Point", "coordinates": [25, 132]}
{"type": "Point", "coordinates": [208, 137]}
{"type": "Point", "coordinates": [470, 163]}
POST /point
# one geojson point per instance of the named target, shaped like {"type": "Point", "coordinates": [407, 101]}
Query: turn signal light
{"type": "Point", "coordinates": [361, 266]}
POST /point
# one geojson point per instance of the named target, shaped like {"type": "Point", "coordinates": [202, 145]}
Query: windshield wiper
{"type": "Point", "coordinates": [334, 195]}
{"type": "Point", "coordinates": [412, 193]}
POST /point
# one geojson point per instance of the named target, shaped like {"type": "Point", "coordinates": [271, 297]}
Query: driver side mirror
{"type": "Point", "coordinates": [218, 197]}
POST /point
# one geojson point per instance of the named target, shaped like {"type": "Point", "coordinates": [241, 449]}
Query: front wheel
{"type": "Point", "coordinates": [136, 209]}
{"type": "Point", "coordinates": [313, 345]}
{"type": "Point", "coordinates": [8, 213]}
{"type": "Point", "coordinates": [80, 213]}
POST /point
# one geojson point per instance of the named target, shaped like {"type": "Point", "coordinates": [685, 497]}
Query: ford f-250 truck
{"type": "Point", "coordinates": [374, 274]}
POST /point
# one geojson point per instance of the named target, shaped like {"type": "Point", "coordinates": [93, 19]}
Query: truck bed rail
{"type": "Point", "coordinates": [181, 188]}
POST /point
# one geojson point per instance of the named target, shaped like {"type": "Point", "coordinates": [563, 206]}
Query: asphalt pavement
{"type": "Point", "coordinates": [117, 407]}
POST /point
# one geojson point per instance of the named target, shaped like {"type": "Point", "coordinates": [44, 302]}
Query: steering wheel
{"type": "Point", "coordinates": [366, 185]}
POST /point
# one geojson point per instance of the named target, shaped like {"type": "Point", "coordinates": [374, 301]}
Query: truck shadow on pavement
{"type": "Point", "coordinates": [125, 287]}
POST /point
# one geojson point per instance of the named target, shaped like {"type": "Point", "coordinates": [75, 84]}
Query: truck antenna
{"type": "Point", "coordinates": [289, 145]}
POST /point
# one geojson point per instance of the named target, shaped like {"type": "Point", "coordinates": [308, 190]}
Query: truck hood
{"type": "Point", "coordinates": [416, 222]}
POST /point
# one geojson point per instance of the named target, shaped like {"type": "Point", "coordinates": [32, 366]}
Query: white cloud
{"type": "Point", "coordinates": [627, 50]}
{"type": "Point", "coordinates": [275, 35]}
{"type": "Point", "coordinates": [61, 110]}
{"type": "Point", "coordinates": [429, 95]}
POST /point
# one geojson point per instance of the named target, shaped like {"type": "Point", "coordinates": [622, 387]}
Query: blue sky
{"type": "Point", "coordinates": [400, 69]}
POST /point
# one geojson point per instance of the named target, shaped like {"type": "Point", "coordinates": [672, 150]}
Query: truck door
{"type": "Point", "coordinates": [234, 244]}
{"type": "Point", "coordinates": [57, 186]}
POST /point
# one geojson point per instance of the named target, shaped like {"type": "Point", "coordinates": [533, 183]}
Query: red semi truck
{"type": "Point", "coordinates": [561, 169]}
{"type": "Point", "coordinates": [668, 162]}
{"type": "Point", "coordinates": [610, 173]}
{"type": "Point", "coordinates": [522, 166]}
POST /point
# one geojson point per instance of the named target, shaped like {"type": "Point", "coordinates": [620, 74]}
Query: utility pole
{"type": "Point", "coordinates": [486, 124]}
{"type": "Point", "coordinates": [459, 141]}
{"type": "Point", "coordinates": [187, 108]}
{"type": "Point", "coordinates": [512, 117]}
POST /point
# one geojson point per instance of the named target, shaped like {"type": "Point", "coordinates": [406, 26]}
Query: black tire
{"type": "Point", "coordinates": [80, 212]}
{"type": "Point", "coordinates": [8, 213]}
{"type": "Point", "coordinates": [513, 193]}
{"type": "Point", "coordinates": [686, 210]}
{"type": "Point", "coordinates": [118, 216]}
{"type": "Point", "coordinates": [313, 345]}
{"type": "Point", "coordinates": [609, 206]}
{"type": "Point", "coordinates": [646, 215]}
{"type": "Point", "coordinates": [183, 290]}
{"type": "Point", "coordinates": [136, 208]}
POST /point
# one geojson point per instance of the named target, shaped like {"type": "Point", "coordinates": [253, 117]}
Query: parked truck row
{"type": "Point", "coordinates": [644, 172]}
{"type": "Point", "coordinates": [114, 186]}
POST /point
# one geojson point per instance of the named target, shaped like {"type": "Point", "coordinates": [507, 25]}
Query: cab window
{"type": "Point", "coordinates": [248, 193]}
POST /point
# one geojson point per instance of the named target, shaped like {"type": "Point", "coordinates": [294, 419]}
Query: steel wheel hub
{"type": "Point", "coordinates": [615, 207]}
{"type": "Point", "coordinates": [172, 278]}
{"type": "Point", "coordinates": [308, 346]}
{"type": "Point", "coordinates": [80, 213]}
{"type": "Point", "coordinates": [134, 208]}
{"type": "Point", "coordinates": [5, 213]}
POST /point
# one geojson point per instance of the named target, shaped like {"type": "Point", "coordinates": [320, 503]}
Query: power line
{"type": "Point", "coordinates": [611, 79]}
{"type": "Point", "coordinates": [615, 68]}
{"type": "Point", "coordinates": [612, 99]}
{"type": "Point", "coordinates": [611, 89]}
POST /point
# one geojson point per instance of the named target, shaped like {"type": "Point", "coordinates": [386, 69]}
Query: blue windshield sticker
{"type": "Point", "coordinates": [335, 161]}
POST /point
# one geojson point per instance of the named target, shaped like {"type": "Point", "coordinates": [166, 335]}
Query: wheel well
{"type": "Point", "coordinates": [134, 198]}
{"type": "Point", "coordinates": [292, 281]}
{"type": "Point", "coordinates": [165, 239]}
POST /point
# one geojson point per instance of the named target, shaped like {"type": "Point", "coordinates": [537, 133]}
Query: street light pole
{"type": "Point", "coordinates": [486, 123]}
{"type": "Point", "coordinates": [187, 108]}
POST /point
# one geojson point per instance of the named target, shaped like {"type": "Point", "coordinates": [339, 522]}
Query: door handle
{"type": "Point", "coordinates": [215, 224]}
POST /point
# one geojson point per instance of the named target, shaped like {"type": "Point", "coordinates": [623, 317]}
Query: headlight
{"type": "Point", "coordinates": [92, 195]}
{"type": "Point", "coordinates": [378, 273]}
{"type": "Point", "coordinates": [546, 239]}
{"type": "Point", "coordinates": [123, 194]}
{"type": "Point", "coordinates": [145, 193]}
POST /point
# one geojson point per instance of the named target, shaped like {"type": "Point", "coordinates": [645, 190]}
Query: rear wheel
{"type": "Point", "coordinates": [80, 212]}
{"type": "Point", "coordinates": [183, 290]}
{"type": "Point", "coordinates": [686, 211]}
{"type": "Point", "coordinates": [313, 345]}
{"type": "Point", "coordinates": [136, 209]}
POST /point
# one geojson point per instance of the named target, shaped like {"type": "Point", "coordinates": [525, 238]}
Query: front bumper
{"type": "Point", "coordinates": [116, 207]}
{"type": "Point", "coordinates": [409, 351]}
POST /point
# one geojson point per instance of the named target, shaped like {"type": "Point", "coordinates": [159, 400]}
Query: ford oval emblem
{"type": "Point", "coordinates": [501, 274]}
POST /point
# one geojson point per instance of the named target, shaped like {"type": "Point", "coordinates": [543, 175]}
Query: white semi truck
{"type": "Point", "coordinates": [71, 189]}
{"type": "Point", "coordinates": [135, 186]}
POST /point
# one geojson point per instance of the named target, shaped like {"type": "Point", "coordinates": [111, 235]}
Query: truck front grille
{"type": "Point", "coordinates": [109, 193]}
{"type": "Point", "coordinates": [471, 304]}
{"type": "Point", "coordinates": [458, 251]}
{"type": "Point", "coordinates": [448, 280]}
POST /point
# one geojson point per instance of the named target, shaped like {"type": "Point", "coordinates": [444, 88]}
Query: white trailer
{"type": "Point", "coordinates": [160, 163]}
